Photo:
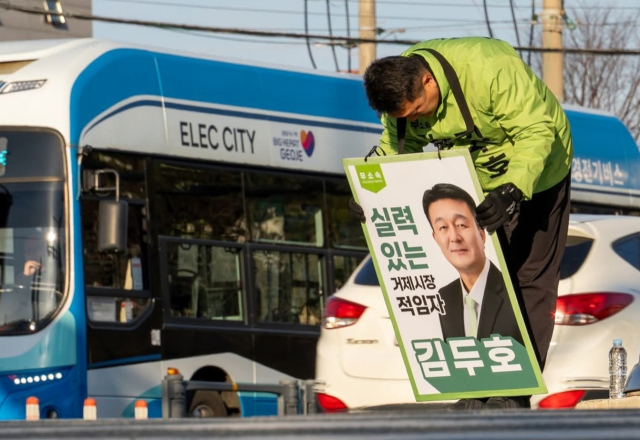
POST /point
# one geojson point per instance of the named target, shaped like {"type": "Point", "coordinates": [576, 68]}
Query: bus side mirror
{"type": "Point", "coordinates": [112, 226]}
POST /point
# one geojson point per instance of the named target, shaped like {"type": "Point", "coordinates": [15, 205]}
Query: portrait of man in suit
{"type": "Point", "coordinates": [476, 304]}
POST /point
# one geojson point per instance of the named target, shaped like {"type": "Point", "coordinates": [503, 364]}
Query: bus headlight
{"type": "Point", "coordinates": [20, 86]}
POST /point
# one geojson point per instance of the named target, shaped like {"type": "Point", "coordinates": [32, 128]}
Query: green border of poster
{"type": "Point", "coordinates": [373, 161]}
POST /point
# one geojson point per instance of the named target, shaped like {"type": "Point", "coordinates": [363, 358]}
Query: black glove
{"type": "Point", "coordinates": [497, 207]}
{"type": "Point", "coordinates": [357, 210]}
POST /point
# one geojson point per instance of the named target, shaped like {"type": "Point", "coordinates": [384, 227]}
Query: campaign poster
{"type": "Point", "coordinates": [444, 279]}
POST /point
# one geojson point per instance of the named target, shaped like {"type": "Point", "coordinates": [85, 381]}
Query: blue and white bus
{"type": "Point", "coordinates": [238, 226]}
{"type": "Point", "coordinates": [230, 180]}
{"type": "Point", "coordinates": [605, 173]}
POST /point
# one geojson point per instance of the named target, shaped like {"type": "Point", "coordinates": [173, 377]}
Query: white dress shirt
{"type": "Point", "coordinates": [477, 293]}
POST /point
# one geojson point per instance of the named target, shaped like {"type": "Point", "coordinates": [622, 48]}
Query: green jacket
{"type": "Point", "coordinates": [525, 130]}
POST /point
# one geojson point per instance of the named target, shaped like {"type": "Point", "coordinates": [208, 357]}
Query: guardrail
{"type": "Point", "coordinates": [294, 397]}
{"type": "Point", "coordinates": [375, 425]}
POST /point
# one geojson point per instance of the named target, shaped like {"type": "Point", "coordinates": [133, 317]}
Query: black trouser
{"type": "Point", "coordinates": [536, 237]}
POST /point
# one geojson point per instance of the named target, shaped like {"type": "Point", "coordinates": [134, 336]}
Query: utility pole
{"type": "Point", "coordinates": [553, 62]}
{"type": "Point", "coordinates": [367, 26]}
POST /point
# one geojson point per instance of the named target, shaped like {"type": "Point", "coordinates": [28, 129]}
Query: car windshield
{"type": "Point", "coordinates": [32, 234]}
{"type": "Point", "coordinates": [575, 254]}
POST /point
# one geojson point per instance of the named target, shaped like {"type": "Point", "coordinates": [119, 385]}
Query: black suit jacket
{"type": "Point", "coordinates": [496, 313]}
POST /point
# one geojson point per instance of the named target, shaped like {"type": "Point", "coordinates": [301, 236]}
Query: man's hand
{"type": "Point", "coordinates": [30, 267]}
{"type": "Point", "coordinates": [357, 210]}
{"type": "Point", "coordinates": [497, 207]}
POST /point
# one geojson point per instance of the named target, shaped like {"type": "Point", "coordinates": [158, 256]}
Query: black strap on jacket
{"type": "Point", "coordinates": [456, 89]}
{"type": "Point", "coordinates": [401, 131]}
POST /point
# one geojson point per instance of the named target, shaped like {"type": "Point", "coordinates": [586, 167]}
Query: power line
{"type": "Point", "coordinates": [237, 31]}
{"type": "Point", "coordinates": [388, 2]}
{"type": "Point", "coordinates": [503, 24]}
{"type": "Point", "coordinates": [240, 40]}
{"type": "Point", "coordinates": [468, 5]}
{"type": "Point", "coordinates": [333, 47]}
{"type": "Point", "coordinates": [350, 45]}
{"type": "Point", "coordinates": [383, 2]}
{"type": "Point", "coordinates": [486, 18]}
{"type": "Point", "coordinates": [195, 5]}
{"type": "Point", "coordinates": [477, 23]}
{"type": "Point", "coordinates": [515, 25]}
{"type": "Point", "coordinates": [605, 7]}
{"type": "Point", "coordinates": [346, 7]}
{"type": "Point", "coordinates": [306, 32]}
{"type": "Point", "coordinates": [393, 30]}
{"type": "Point", "coordinates": [278, 11]}
{"type": "Point", "coordinates": [531, 28]}
{"type": "Point", "coordinates": [426, 3]}
{"type": "Point", "coordinates": [615, 23]}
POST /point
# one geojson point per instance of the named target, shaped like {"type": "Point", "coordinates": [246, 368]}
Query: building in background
{"type": "Point", "coordinates": [15, 25]}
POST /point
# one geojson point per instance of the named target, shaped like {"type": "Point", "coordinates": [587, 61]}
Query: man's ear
{"type": "Point", "coordinates": [483, 235]}
{"type": "Point", "coordinates": [426, 78]}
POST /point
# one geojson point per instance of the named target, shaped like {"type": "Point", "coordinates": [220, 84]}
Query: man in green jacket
{"type": "Point", "coordinates": [477, 93]}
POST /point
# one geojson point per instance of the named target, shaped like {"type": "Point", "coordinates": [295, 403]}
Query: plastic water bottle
{"type": "Point", "coordinates": [617, 370]}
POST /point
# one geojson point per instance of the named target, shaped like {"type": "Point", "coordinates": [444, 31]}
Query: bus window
{"type": "Point", "coordinates": [32, 230]}
{"type": "Point", "coordinates": [345, 231]}
{"type": "Point", "coordinates": [116, 284]}
{"type": "Point", "coordinates": [31, 269]}
{"type": "Point", "coordinates": [115, 309]}
{"type": "Point", "coordinates": [108, 275]}
{"type": "Point", "coordinates": [288, 287]}
{"type": "Point", "coordinates": [30, 155]}
{"type": "Point", "coordinates": [343, 267]}
{"type": "Point", "coordinates": [287, 210]}
{"type": "Point", "coordinates": [204, 281]}
{"type": "Point", "coordinates": [199, 203]}
{"type": "Point", "coordinates": [130, 168]}
{"type": "Point", "coordinates": [111, 270]}
{"type": "Point", "coordinates": [3, 154]}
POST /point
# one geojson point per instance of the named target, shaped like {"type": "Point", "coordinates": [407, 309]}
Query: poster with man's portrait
{"type": "Point", "coordinates": [444, 279]}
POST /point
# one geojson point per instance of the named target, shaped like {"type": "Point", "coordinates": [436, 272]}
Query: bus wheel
{"type": "Point", "coordinates": [207, 404]}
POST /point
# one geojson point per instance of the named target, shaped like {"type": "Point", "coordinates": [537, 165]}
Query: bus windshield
{"type": "Point", "coordinates": [32, 230]}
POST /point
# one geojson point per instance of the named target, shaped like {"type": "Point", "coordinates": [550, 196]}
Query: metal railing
{"type": "Point", "coordinates": [294, 397]}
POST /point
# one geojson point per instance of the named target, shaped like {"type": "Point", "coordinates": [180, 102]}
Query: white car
{"type": "Point", "coordinates": [599, 301]}
{"type": "Point", "coordinates": [359, 362]}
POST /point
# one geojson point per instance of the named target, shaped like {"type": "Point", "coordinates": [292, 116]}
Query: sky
{"type": "Point", "coordinates": [396, 19]}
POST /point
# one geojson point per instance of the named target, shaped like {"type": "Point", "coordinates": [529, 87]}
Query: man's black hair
{"type": "Point", "coordinates": [443, 191]}
{"type": "Point", "coordinates": [393, 80]}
